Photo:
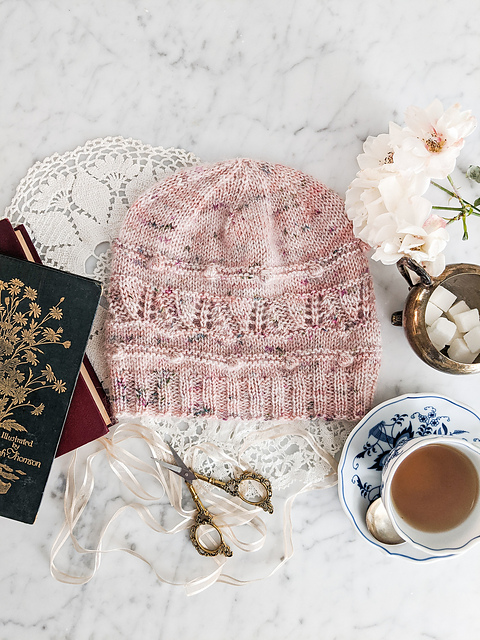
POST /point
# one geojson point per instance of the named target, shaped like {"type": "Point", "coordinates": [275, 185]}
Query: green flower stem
{"type": "Point", "coordinates": [455, 218]}
{"type": "Point", "coordinates": [447, 208]}
{"type": "Point", "coordinates": [450, 193]}
{"type": "Point", "coordinates": [466, 208]}
{"type": "Point", "coordinates": [453, 195]}
{"type": "Point", "coordinates": [449, 178]}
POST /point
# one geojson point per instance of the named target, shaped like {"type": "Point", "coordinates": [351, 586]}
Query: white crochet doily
{"type": "Point", "coordinates": [73, 206]}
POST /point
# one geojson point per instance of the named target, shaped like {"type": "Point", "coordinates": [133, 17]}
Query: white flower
{"type": "Point", "coordinates": [422, 243]}
{"type": "Point", "coordinates": [374, 198]}
{"type": "Point", "coordinates": [396, 187]}
{"type": "Point", "coordinates": [432, 139]}
{"type": "Point", "coordinates": [385, 200]}
{"type": "Point", "coordinates": [377, 152]}
{"type": "Point", "coordinates": [389, 214]}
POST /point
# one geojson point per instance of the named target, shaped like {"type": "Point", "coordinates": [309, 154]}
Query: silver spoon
{"type": "Point", "coordinates": [379, 524]}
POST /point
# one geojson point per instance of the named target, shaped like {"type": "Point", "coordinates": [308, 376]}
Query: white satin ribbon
{"type": "Point", "coordinates": [229, 513]}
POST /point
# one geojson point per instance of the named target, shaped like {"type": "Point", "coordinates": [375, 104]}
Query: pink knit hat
{"type": "Point", "coordinates": [239, 290]}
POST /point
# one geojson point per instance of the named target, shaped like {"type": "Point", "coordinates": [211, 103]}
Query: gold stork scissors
{"type": "Point", "coordinates": [235, 486]}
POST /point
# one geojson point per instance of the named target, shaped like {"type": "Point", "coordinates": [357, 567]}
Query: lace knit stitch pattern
{"type": "Point", "coordinates": [239, 290]}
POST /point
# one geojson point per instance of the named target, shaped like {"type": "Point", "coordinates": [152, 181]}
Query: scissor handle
{"type": "Point", "coordinates": [205, 519]}
{"type": "Point", "coordinates": [234, 488]}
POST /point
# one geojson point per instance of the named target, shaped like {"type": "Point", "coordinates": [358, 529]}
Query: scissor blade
{"type": "Point", "coordinates": [186, 473]}
{"type": "Point", "coordinates": [170, 467]}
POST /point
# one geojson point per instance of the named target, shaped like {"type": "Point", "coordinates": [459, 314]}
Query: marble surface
{"type": "Point", "coordinates": [302, 83]}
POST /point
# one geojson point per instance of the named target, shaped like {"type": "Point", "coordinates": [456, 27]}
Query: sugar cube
{"type": "Point", "coordinates": [432, 313]}
{"type": "Point", "coordinates": [442, 331]}
{"type": "Point", "coordinates": [458, 307]}
{"type": "Point", "coordinates": [460, 352]}
{"type": "Point", "coordinates": [435, 339]}
{"type": "Point", "coordinates": [456, 335]}
{"type": "Point", "coordinates": [466, 320]}
{"type": "Point", "coordinates": [443, 298]}
{"type": "Point", "coordinates": [472, 338]}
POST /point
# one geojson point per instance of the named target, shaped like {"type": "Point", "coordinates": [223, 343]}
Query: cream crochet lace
{"type": "Point", "coordinates": [73, 206]}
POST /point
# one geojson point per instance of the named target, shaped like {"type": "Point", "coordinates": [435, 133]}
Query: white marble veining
{"type": "Point", "coordinates": [298, 82]}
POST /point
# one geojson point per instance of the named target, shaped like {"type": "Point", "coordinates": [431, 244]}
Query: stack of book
{"type": "Point", "coordinates": [51, 401]}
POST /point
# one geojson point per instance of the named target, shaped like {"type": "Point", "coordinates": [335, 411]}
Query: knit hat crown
{"type": "Point", "coordinates": [239, 290]}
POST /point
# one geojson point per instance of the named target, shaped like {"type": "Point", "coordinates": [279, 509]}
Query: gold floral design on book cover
{"type": "Point", "coordinates": [25, 329]}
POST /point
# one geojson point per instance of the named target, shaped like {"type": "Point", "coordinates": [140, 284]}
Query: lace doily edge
{"type": "Point", "coordinates": [84, 148]}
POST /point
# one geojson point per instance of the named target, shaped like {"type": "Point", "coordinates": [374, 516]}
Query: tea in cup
{"type": "Point", "coordinates": [430, 489]}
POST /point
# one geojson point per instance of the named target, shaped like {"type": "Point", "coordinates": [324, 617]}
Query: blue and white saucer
{"type": "Point", "coordinates": [386, 426]}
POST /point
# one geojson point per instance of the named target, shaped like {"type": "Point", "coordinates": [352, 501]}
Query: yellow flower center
{"type": "Point", "coordinates": [435, 142]}
{"type": "Point", "coordinates": [388, 158]}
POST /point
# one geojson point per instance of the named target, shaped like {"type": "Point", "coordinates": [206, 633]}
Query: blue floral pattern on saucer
{"type": "Point", "coordinates": [374, 440]}
{"type": "Point", "coordinates": [384, 438]}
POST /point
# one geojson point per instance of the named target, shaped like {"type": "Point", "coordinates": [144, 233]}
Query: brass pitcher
{"type": "Point", "coordinates": [461, 279]}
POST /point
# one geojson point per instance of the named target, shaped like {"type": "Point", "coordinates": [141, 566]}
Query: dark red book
{"type": "Point", "coordinates": [89, 413]}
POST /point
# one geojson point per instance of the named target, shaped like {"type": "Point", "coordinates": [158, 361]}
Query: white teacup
{"type": "Point", "coordinates": [418, 486]}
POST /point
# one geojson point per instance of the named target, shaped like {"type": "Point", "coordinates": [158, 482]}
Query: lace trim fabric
{"type": "Point", "coordinates": [267, 455]}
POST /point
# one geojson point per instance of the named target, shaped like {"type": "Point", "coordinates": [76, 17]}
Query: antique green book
{"type": "Point", "coordinates": [45, 320]}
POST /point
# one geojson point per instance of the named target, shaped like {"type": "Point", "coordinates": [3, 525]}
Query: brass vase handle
{"type": "Point", "coordinates": [406, 263]}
